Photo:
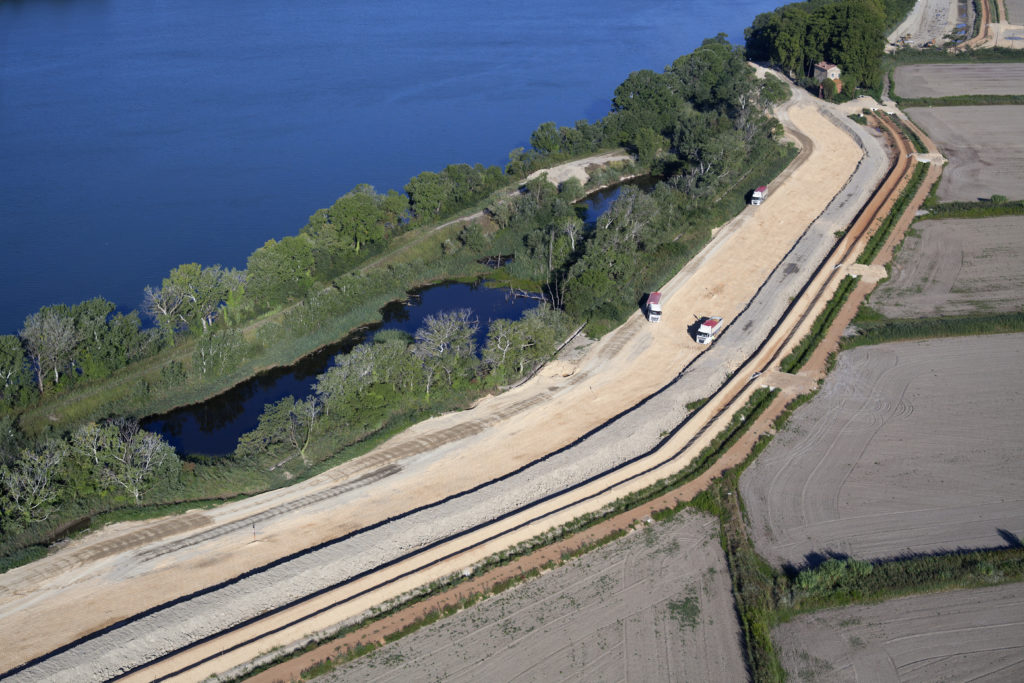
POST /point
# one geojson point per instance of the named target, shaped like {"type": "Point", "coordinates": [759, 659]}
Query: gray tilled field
{"type": "Point", "coordinates": [1014, 11]}
{"type": "Point", "coordinates": [942, 80]}
{"type": "Point", "coordinates": [953, 267]}
{"type": "Point", "coordinates": [964, 635]}
{"type": "Point", "coordinates": [910, 447]}
{"type": "Point", "coordinates": [985, 147]}
{"type": "Point", "coordinates": [653, 606]}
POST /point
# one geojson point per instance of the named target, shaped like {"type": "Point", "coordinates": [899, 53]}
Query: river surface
{"type": "Point", "coordinates": [136, 135]}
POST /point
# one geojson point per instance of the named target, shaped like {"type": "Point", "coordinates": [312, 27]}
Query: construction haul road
{"type": "Point", "coordinates": [200, 593]}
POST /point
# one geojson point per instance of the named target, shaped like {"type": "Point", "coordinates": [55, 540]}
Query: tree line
{"type": "Point", "coordinates": [848, 33]}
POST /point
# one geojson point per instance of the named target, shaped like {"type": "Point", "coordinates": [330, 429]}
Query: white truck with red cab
{"type": "Point", "coordinates": [759, 195]}
{"type": "Point", "coordinates": [653, 309]}
{"type": "Point", "coordinates": [708, 330]}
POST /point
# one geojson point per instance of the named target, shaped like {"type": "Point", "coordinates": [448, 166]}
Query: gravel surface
{"type": "Point", "coordinates": [428, 458]}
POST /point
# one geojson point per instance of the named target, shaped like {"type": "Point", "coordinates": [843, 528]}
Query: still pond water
{"type": "Point", "coordinates": [136, 135]}
{"type": "Point", "coordinates": [214, 426]}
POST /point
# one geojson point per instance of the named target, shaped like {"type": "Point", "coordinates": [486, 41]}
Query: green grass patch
{"type": "Point", "coordinates": [878, 239]}
{"type": "Point", "coordinates": [799, 356]}
{"type": "Point", "coordinates": [987, 208]}
{"type": "Point", "coordinates": [959, 101]}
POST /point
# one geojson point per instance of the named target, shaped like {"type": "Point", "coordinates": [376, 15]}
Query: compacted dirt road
{"type": "Point", "coordinates": [112, 601]}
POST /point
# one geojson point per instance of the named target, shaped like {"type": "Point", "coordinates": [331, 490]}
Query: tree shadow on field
{"type": "Point", "coordinates": [1012, 539]}
{"type": "Point", "coordinates": [813, 561]}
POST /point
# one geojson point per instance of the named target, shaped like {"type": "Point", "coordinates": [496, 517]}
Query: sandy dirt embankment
{"type": "Point", "coordinates": [747, 274]}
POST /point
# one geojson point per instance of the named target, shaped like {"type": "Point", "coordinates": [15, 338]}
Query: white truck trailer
{"type": "Point", "coordinates": [708, 330]}
{"type": "Point", "coordinates": [654, 307]}
{"type": "Point", "coordinates": [759, 195]}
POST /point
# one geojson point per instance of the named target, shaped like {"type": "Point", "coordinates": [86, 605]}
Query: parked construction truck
{"type": "Point", "coordinates": [708, 329]}
{"type": "Point", "coordinates": [758, 196]}
{"type": "Point", "coordinates": [654, 307]}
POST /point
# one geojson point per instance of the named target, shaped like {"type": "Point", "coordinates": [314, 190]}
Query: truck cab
{"type": "Point", "coordinates": [653, 308]}
{"type": "Point", "coordinates": [708, 330]}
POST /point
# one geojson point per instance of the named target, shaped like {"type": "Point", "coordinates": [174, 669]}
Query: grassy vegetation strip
{"type": "Point", "coordinates": [878, 239]}
{"type": "Point", "coordinates": [986, 56]}
{"type": "Point", "coordinates": [988, 208]}
{"type": "Point", "coordinates": [958, 101]}
{"type": "Point", "coordinates": [755, 583]}
{"type": "Point", "coordinates": [880, 331]}
{"type": "Point", "coordinates": [909, 133]}
{"type": "Point", "coordinates": [841, 582]}
{"type": "Point", "coordinates": [799, 356]}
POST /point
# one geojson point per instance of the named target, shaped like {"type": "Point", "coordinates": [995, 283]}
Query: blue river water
{"type": "Point", "coordinates": [136, 135]}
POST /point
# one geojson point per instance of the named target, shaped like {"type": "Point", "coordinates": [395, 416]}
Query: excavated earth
{"type": "Point", "coordinates": [572, 421]}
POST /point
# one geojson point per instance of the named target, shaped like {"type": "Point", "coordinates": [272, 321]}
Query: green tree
{"type": "Point", "coordinates": [15, 371]}
{"type": "Point", "coordinates": [29, 490]}
{"type": "Point", "coordinates": [126, 457]}
{"type": "Point", "coordinates": [279, 271]}
{"type": "Point", "coordinates": [446, 344]}
{"type": "Point", "coordinates": [283, 433]}
{"type": "Point", "coordinates": [51, 339]}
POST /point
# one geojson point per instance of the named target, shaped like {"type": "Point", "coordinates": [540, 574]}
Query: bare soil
{"type": "Point", "coordinates": [908, 448]}
{"type": "Point", "coordinates": [967, 635]}
{"type": "Point", "coordinates": [127, 569]}
{"type": "Point", "coordinates": [985, 148]}
{"type": "Point", "coordinates": [929, 20]}
{"type": "Point", "coordinates": [956, 266]}
{"type": "Point", "coordinates": [942, 80]}
{"type": "Point", "coordinates": [655, 605]}
{"type": "Point", "coordinates": [1014, 11]}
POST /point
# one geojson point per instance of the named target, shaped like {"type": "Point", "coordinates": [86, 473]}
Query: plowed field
{"type": "Point", "coordinates": [942, 80]}
{"type": "Point", "coordinates": [955, 267]}
{"type": "Point", "coordinates": [985, 147]}
{"type": "Point", "coordinates": [652, 606]}
{"type": "Point", "coordinates": [965, 635]}
{"type": "Point", "coordinates": [909, 448]}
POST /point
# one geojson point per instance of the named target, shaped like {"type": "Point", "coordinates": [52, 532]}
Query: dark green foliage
{"type": "Point", "coordinates": [982, 209]}
{"type": "Point", "coordinates": [985, 56]}
{"type": "Point", "coordinates": [803, 351]}
{"type": "Point", "coordinates": [881, 234]}
{"type": "Point", "coordinates": [958, 100]}
{"type": "Point", "coordinates": [848, 33]}
{"type": "Point", "coordinates": [879, 330]}
{"type": "Point", "coordinates": [840, 582]}
{"type": "Point", "coordinates": [280, 271]}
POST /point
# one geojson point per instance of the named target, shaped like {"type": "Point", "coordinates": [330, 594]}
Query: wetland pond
{"type": "Point", "coordinates": [214, 426]}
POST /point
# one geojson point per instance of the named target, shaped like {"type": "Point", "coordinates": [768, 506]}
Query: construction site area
{"type": "Point", "coordinates": [884, 461]}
